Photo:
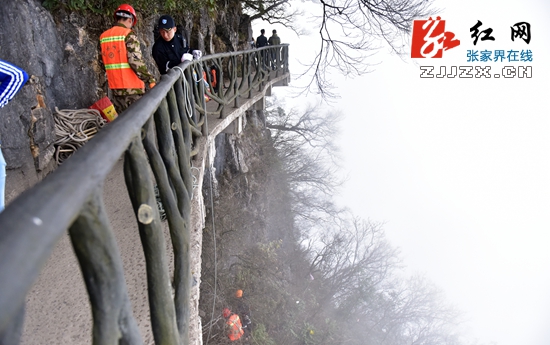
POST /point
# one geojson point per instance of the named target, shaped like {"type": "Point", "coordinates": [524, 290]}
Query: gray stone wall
{"type": "Point", "coordinates": [62, 61]}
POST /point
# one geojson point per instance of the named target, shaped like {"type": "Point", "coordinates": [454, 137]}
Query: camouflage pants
{"type": "Point", "coordinates": [121, 103]}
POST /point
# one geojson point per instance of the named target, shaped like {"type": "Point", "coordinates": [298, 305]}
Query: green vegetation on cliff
{"type": "Point", "coordinates": [147, 7]}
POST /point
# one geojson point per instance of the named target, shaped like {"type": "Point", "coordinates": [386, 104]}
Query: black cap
{"type": "Point", "coordinates": [166, 22]}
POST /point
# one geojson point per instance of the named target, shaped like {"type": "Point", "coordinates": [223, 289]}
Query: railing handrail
{"type": "Point", "coordinates": [31, 225]}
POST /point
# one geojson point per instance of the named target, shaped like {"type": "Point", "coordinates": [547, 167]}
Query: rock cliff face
{"type": "Point", "coordinates": [61, 55]}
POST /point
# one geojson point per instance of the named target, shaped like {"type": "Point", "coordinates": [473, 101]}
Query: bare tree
{"type": "Point", "coordinates": [310, 158]}
{"type": "Point", "coordinates": [273, 12]}
{"type": "Point", "coordinates": [351, 255]}
{"type": "Point", "coordinates": [360, 286]}
{"type": "Point", "coordinates": [350, 31]}
{"type": "Point", "coordinates": [411, 311]}
{"type": "Point", "coordinates": [312, 127]}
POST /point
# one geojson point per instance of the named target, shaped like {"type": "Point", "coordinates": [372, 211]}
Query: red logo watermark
{"type": "Point", "coordinates": [429, 38]}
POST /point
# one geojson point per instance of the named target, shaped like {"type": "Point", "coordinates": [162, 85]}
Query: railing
{"type": "Point", "coordinates": [158, 133]}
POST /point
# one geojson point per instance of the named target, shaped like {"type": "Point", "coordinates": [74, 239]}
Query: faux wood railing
{"type": "Point", "coordinates": [156, 134]}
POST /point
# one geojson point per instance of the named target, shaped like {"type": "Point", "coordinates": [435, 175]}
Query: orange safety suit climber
{"type": "Point", "coordinates": [234, 327]}
{"type": "Point", "coordinates": [115, 57]}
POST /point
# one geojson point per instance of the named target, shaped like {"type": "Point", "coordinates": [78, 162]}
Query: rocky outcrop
{"type": "Point", "coordinates": [61, 60]}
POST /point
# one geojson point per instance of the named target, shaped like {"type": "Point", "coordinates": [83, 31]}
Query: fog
{"type": "Point", "coordinates": [457, 169]}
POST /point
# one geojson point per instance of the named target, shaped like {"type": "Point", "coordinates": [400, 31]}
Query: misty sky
{"type": "Point", "coordinates": [457, 169]}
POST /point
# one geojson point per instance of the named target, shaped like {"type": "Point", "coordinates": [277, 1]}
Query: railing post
{"type": "Point", "coordinates": [235, 80]}
{"type": "Point", "coordinates": [249, 58]}
{"type": "Point", "coordinates": [285, 50]}
{"type": "Point", "coordinates": [11, 333]}
{"type": "Point", "coordinates": [201, 93]}
{"type": "Point", "coordinates": [140, 187]}
{"type": "Point", "coordinates": [261, 69]}
{"type": "Point", "coordinates": [221, 87]}
{"type": "Point", "coordinates": [269, 51]}
{"type": "Point", "coordinates": [277, 60]}
{"type": "Point", "coordinates": [177, 204]}
{"type": "Point", "coordinates": [101, 265]}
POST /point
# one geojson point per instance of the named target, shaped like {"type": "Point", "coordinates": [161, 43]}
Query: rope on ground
{"type": "Point", "coordinates": [73, 128]}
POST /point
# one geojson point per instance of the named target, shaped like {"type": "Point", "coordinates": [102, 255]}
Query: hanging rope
{"type": "Point", "coordinates": [73, 128]}
{"type": "Point", "coordinates": [188, 109]}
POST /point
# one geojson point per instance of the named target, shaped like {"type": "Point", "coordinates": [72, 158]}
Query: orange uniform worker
{"type": "Point", "coordinates": [123, 60]}
{"type": "Point", "coordinates": [233, 325]}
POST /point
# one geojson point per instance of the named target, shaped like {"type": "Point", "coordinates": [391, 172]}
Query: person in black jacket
{"type": "Point", "coordinates": [169, 48]}
{"type": "Point", "coordinates": [261, 41]}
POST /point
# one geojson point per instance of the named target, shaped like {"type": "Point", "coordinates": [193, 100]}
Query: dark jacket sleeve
{"type": "Point", "coordinates": [160, 57]}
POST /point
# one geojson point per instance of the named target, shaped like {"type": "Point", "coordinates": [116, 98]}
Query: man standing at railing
{"type": "Point", "coordinates": [121, 53]}
{"type": "Point", "coordinates": [169, 48]}
{"type": "Point", "coordinates": [12, 79]}
{"type": "Point", "coordinates": [261, 41]}
{"type": "Point", "coordinates": [275, 40]}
